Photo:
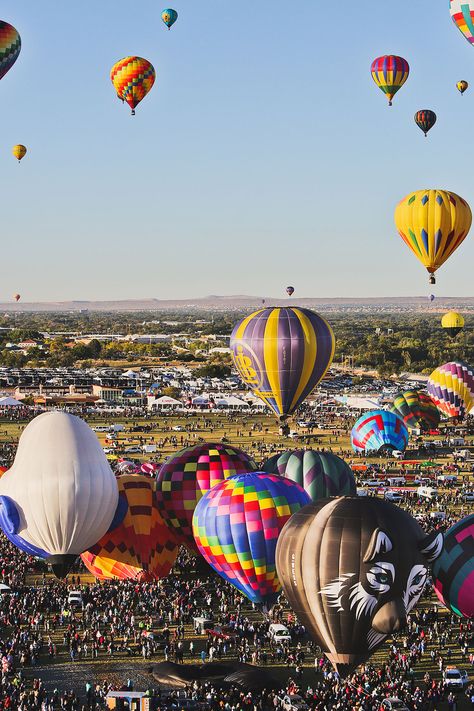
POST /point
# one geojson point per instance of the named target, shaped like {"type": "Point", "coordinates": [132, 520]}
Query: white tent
{"type": "Point", "coordinates": [164, 402]}
{"type": "Point", "coordinates": [4, 588]}
{"type": "Point", "coordinates": [358, 402]}
{"type": "Point", "coordinates": [232, 402]}
{"type": "Point", "coordinates": [10, 402]}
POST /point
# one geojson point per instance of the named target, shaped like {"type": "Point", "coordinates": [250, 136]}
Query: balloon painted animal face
{"type": "Point", "coordinates": [382, 593]}
{"type": "Point", "coordinates": [352, 570]}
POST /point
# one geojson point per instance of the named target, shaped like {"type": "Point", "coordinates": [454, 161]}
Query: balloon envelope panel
{"type": "Point", "coordinates": [453, 571]}
{"type": "Point", "coordinates": [321, 474]}
{"type": "Point", "coordinates": [378, 429]}
{"type": "Point", "coordinates": [462, 13]}
{"type": "Point", "coordinates": [417, 410]}
{"type": "Point", "coordinates": [188, 475]}
{"type": "Point", "coordinates": [236, 526]}
{"type": "Point", "coordinates": [451, 387]}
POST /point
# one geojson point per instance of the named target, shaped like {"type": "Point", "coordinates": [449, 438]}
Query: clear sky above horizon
{"type": "Point", "coordinates": [264, 155]}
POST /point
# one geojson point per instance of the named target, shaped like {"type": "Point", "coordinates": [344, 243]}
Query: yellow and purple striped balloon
{"type": "Point", "coordinates": [281, 354]}
{"type": "Point", "coordinates": [451, 387]}
{"type": "Point", "coordinates": [10, 46]}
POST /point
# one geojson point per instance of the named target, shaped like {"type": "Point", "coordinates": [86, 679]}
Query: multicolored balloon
{"type": "Point", "coordinates": [133, 78]}
{"type": "Point", "coordinates": [417, 410]}
{"type": "Point", "coordinates": [236, 526]}
{"type": "Point", "coordinates": [281, 354]}
{"type": "Point", "coordinates": [169, 17]}
{"type": "Point", "coordinates": [142, 547]}
{"type": "Point", "coordinates": [379, 430]}
{"type": "Point", "coordinates": [320, 474]}
{"type": "Point", "coordinates": [352, 569]}
{"type": "Point", "coordinates": [189, 474]}
{"type": "Point", "coordinates": [19, 151]}
{"type": "Point", "coordinates": [462, 86]}
{"type": "Point", "coordinates": [425, 119]}
{"type": "Point", "coordinates": [433, 223]}
{"type": "Point", "coordinates": [453, 571]}
{"type": "Point", "coordinates": [10, 47]}
{"type": "Point", "coordinates": [453, 323]}
{"type": "Point", "coordinates": [390, 73]}
{"type": "Point", "coordinates": [451, 387]}
{"type": "Point", "coordinates": [462, 13]}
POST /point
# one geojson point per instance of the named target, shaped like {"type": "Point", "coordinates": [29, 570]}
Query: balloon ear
{"type": "Point", "coordinates": [120, 512]}
{"type": "Point", "coordinates": [9, 516]}
{"type": "Point", "coordinates": [379, 543]}
{"type": "Point", "coordinates": [431, 546]}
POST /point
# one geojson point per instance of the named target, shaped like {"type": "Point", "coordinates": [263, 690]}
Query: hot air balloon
{"type": "Point", "coordinates": [433, 223]}
{"type": "Point", "coordinates": [431, 297]}
{"type": "Point", "coordinates": [290, 290]}
{"type": "Point", "coordinates": [379, 430]}
{"type": "Point", "coordinates": [390, 73]}
{"type": "Point", "coordinates": [189, 474]}
{"type": "Point", "coordinates": [132, 77]}
{"type": "Point", "coordinates": [451, 387]}
{"type": "Point", "coordinates": [453, 571]}
{"type": "Point", "coordinates": [17, 297]}
{"type": "Point", "coordinates": [417, 410]}
{"type": "Point", "coordinates": [321, 474]}
{"type": "Point", "coordinates": [236, 526]}
{"type": "Point", "coordinates": [462, 13]}
{"type": "Point", "coordinates": [142, 547]}
{"type": "Point", "coordinates": [352, 569]}
{"type": "Point", "coordinates": [19, 151]}
{"type": "Point", "coordinates": [169, 17]}
{"type": "Point", "coordinates": [462, 86]}
{"type": "Point", "coordinates": [453, 323]}
{"type": "Point", "coordinates": [149, 468]}
{"type": "Point", "coordinates": [10, 46]}
{"type": "Point", "coordinates": [281, 354]}
{"type": "Point", "coordinates": [60, 495]}
{"type": "Point", "coordinates": [425, 119]}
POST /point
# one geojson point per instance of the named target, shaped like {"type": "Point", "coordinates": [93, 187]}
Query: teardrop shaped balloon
{"type": "Point", "coordinates": [379, 430]}
{"type": "Point", "coordinates": [453, 323]}
{"type": "Point", "coordinates": [425, 119]}
{"type": "Point", "coordinates": [320, 474]}
{"type": "Point", "coordinates": [451, 387]}
{"type": "Point", "coordinates": [189, 474]}
{"type": "Point", "coordinates": [433, 223]}
{"type": "Point", "coordinates": [19, 151]}
{"type": "Point", "coordinates": [431, 297]}
{"type": "Point", "coordinates": [141, 547]}
{"type": "Point", "coordinates": [290, 290]}
{"type": "Point", "coordinates": [462, 86]}
{"type": "Point", "coordinates": [17, 297]}
{"type": "Point", "coordinates": [453, 571]}
{"type": "Point", "coordinates": [281, 354]}
{"type": "Point", "coordinates": [352, 569]}
{"type": "Point", "coordinates": [10, 47]}
{"type": "Point", "coordinates": [390, 73]}
{"type": "Point", "coordinates": [462, 14]}
{"type": "Point", "coordinates": [133, 77]}
{"type": "Point", "coordinates": [236, 527]}
{"type": "Point", "coordinates": [417, 410]}
{"type": "Point", "coordinates": [169, 17]}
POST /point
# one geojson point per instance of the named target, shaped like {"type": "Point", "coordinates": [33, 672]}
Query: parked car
{"type": "Point", "coordinates": [455, 678]}
{"type": "Point", "coordinates": [74, 598]}
{"type": "Point", "coordinates": [134, 449]}
{"type": "Point", "coordinates": [279, 633]}
{"type": "Point", "coordinates": [394, 496]}
{"type": "Point", "coordinates": [393, 705]}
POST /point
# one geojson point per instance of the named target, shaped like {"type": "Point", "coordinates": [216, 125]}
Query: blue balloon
{"type": "Point", "coordinates": [377, 430]}
{"type": "Point", "coordinates": [169, 17]}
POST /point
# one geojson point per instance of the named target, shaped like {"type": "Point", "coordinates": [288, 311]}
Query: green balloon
{"type": "Point", "coordinates": [321, 474]}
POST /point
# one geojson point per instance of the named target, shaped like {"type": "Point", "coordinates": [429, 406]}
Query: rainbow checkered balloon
{"type": "Point", "coordinates": [189, 474]}
{"type": "Point", "coordinates": [10, 46]}
{"type": "Point", "coordinates": [132, 77]}
{"type": "Point", "coordinates": [451, 387]}
{"type": "Point", "coordinates": [453, 571]}
{"type": "Point", "coordinates": [236, 527]}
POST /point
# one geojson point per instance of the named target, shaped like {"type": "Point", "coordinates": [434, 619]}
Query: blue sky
{"type": "Point", "coordinates": [264, 155]}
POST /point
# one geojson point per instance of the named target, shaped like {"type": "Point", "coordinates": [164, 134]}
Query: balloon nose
{"type": "Point", "coordinates": [391, 617]}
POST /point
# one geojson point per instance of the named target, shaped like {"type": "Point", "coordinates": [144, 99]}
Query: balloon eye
{"type": "Point", "coordinates": [382, 578]}
{"type": "Point", "coordinates": [417, 579]}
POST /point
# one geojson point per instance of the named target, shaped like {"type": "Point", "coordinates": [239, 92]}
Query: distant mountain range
{"type": "Point", "coordinates": [232, 303]}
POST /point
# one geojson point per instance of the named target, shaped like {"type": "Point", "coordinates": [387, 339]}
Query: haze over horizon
{"type": "Point", "coordinates": [262, 157]}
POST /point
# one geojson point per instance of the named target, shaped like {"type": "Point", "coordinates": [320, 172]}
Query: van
{"type": "Point", "coordinates": [74, 598]}
{"type": "Point", "coordinates": [446, 479]}
{"type": "Point", "coordinates": [279, 633]}
{"type": "Point", "coordinates": [456, 441]}
{"type": "Point", "coordinates": [394, 496]}
{"type": "Point", "coordinates": [396, 481]}
{"type": "Point", "coordinates": [117, 428]}
{"type": "Point", "coordinates": [427, 492]}
{"type": "Point", "coordinates": [149, 448]}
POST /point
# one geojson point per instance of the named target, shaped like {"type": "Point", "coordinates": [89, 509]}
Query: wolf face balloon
{"type": "Point", "coordinates": [352, 569]}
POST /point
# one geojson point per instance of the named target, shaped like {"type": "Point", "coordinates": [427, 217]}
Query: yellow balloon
{"type": "Point", "coordinates": [19, 151]}
{"type": "Point", "coordinates": [453, 323]}
{"type": "Point", "coordinates": [433, 223]}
